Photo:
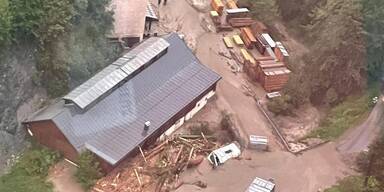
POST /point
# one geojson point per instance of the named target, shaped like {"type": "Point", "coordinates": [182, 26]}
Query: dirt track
{"type": "Point", "coordinates": [359, 138]}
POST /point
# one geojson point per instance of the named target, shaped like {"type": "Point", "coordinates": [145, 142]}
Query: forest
{"type": "Point", "coordinates": [47, 47]}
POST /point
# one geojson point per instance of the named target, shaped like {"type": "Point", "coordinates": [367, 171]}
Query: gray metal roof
{"type": "Point", "coordinates": [114, 125]}
{"type": "Point", "coordinates": [120, 70]}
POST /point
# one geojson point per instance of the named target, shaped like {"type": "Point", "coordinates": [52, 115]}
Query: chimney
{"type": "Point", "coordinates": [146, 125]}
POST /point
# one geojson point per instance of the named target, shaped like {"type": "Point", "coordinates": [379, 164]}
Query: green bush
{"type": "Point", "coordinates": [88, 171]}
{"type": "Point", "coordinates": [280, 105]}
{"type": "Point", "coordinates": [30, 172]}
{"type": "Point", "coordinates": [200, 127]}
{"type": "Point", "coordinates": [342, 117]}
{"type": "Point", "coordinates": [226, 120]}
{"type": "Point", "coordinates": [353, 184]}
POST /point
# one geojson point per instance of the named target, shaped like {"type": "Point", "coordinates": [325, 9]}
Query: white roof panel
{"type": "Point", "coordinates": [115, 73]}
{"type": "Point", "coordinates": [269, 40]}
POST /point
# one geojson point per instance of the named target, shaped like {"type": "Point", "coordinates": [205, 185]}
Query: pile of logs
{"type": "Point", "coordinates": [158, 169]}
{"type": "Point", "coordinates": [241, 22]}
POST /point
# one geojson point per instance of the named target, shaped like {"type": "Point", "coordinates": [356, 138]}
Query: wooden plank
{"type": "Point", "coordinates": [228, 42]}
{"type": "Point", "coordinates": [238, 40]}
{"type": "Point", "coordinates": [231, 4]}
{"type": "Point", "coordinates": [247, 56]}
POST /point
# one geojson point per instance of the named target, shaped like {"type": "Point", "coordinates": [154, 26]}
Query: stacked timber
{"type": "Point", "coordinates": [266, 64]}
{"type": "Point", "coordinates": [215, 17]}
{"type": "Point", "coordinates": [228, 42]}
{"type": "Point", "coordinates": [238, 40]}
{"type": "Point", "coordinates": [218, 6]}
{"type": "Point", "coordinates": [247, 37]}
{"type": "Point", "coordinates": [265, 41]}
{"type": "Point", "coordinates": [241, 22]}
{"type": "Point", "coordinates": [264, 58]}
{"type": "Point", "coordinates": [223, 27]}
{"type": "Point", "coordinates": [231, 4]}
{"type": "Point", "coordinates": [248, 58]}
{"type": "Point", "coordinates": [280, 52]}
{"type": "Point", "coordinates": [258, 28]}
{"type": "Point", "coordinates": [261, 44]}
{"type": "Point", "coordinates": [272, 75]}
{"type": "Point", "coordinates": [249, 64]}
{"type": "Point", "coordinates": [274, 79]}
{"type": "Point", "coordinates": [237, 13]}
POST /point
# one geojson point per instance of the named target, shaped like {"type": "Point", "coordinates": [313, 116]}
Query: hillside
{"type": "Point", "coordinates": [47, 47]}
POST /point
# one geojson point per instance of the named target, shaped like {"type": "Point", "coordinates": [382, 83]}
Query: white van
{"type": "Point", "coordinates": [219, 156]}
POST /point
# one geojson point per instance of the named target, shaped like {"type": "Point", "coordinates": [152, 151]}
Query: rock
{"type": "Point", "coordinates": [312, 141]}
{"type": "Point", "coordinates": [195, 161]}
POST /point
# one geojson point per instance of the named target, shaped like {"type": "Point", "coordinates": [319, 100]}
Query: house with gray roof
{"type": "Point", "coordinates": [145, 94]}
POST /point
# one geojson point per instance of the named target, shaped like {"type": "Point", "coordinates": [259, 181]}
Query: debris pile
{"type": "Point", "coordinates": [158, 169]}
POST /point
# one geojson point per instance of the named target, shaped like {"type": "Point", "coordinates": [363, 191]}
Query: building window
{"type": "Point", "coordinates": [30, 132]}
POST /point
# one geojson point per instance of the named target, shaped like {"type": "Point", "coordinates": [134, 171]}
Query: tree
{"type": "Point", "coordinates": [88, 171]}
{"type": "Point", "coordinates": [371, 163]}
{"type": "Point", "coordinates": [373, 11]}
{"type": "Point", "coordinates": [5, 22]}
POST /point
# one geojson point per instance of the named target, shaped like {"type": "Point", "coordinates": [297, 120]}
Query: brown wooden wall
{"type": "Point", "coordinates": [47, 134]}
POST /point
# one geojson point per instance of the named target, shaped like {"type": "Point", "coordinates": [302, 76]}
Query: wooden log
{"type": "Point", "coordinates": [178, 154]}
{"type": "Point", "coordinates": [142, 154]}
{"type": "Point", "coordinates": [138, 178]}
{"type": "Point", "coordinates": [190, 155]}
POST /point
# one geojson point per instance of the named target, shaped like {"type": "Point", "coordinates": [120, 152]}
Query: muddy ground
{"type": "Point", "coordinates": [309, 172]}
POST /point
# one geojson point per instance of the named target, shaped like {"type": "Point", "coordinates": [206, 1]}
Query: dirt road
{"type": "Point", "coordinates": [307, 173]}
{"type": "Point", "coordinates": [62, 177]}
{"type": "Point", "coordinates": [359, 138]}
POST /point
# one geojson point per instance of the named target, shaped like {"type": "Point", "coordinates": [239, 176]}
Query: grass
{"type": "Point", "coordinates": [30, 171]}
{"type": "Point", "coordinates": [345, 115]}
{"type": "Point", "coordinates": [353, 184]}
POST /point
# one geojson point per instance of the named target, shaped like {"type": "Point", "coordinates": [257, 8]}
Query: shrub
{"type": "Point", "coordinates": [200, 127]}
{"type": "Point", "coordinates": [280, 105]}
{"type": "Point", "coordinates": [226, 121]}
{"type": "Point", "coordinates": [352, 184]}
{"type": "Point", "coordinates": [30, 171]}
{"type": "Point", "coordinates": [88, 171]}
